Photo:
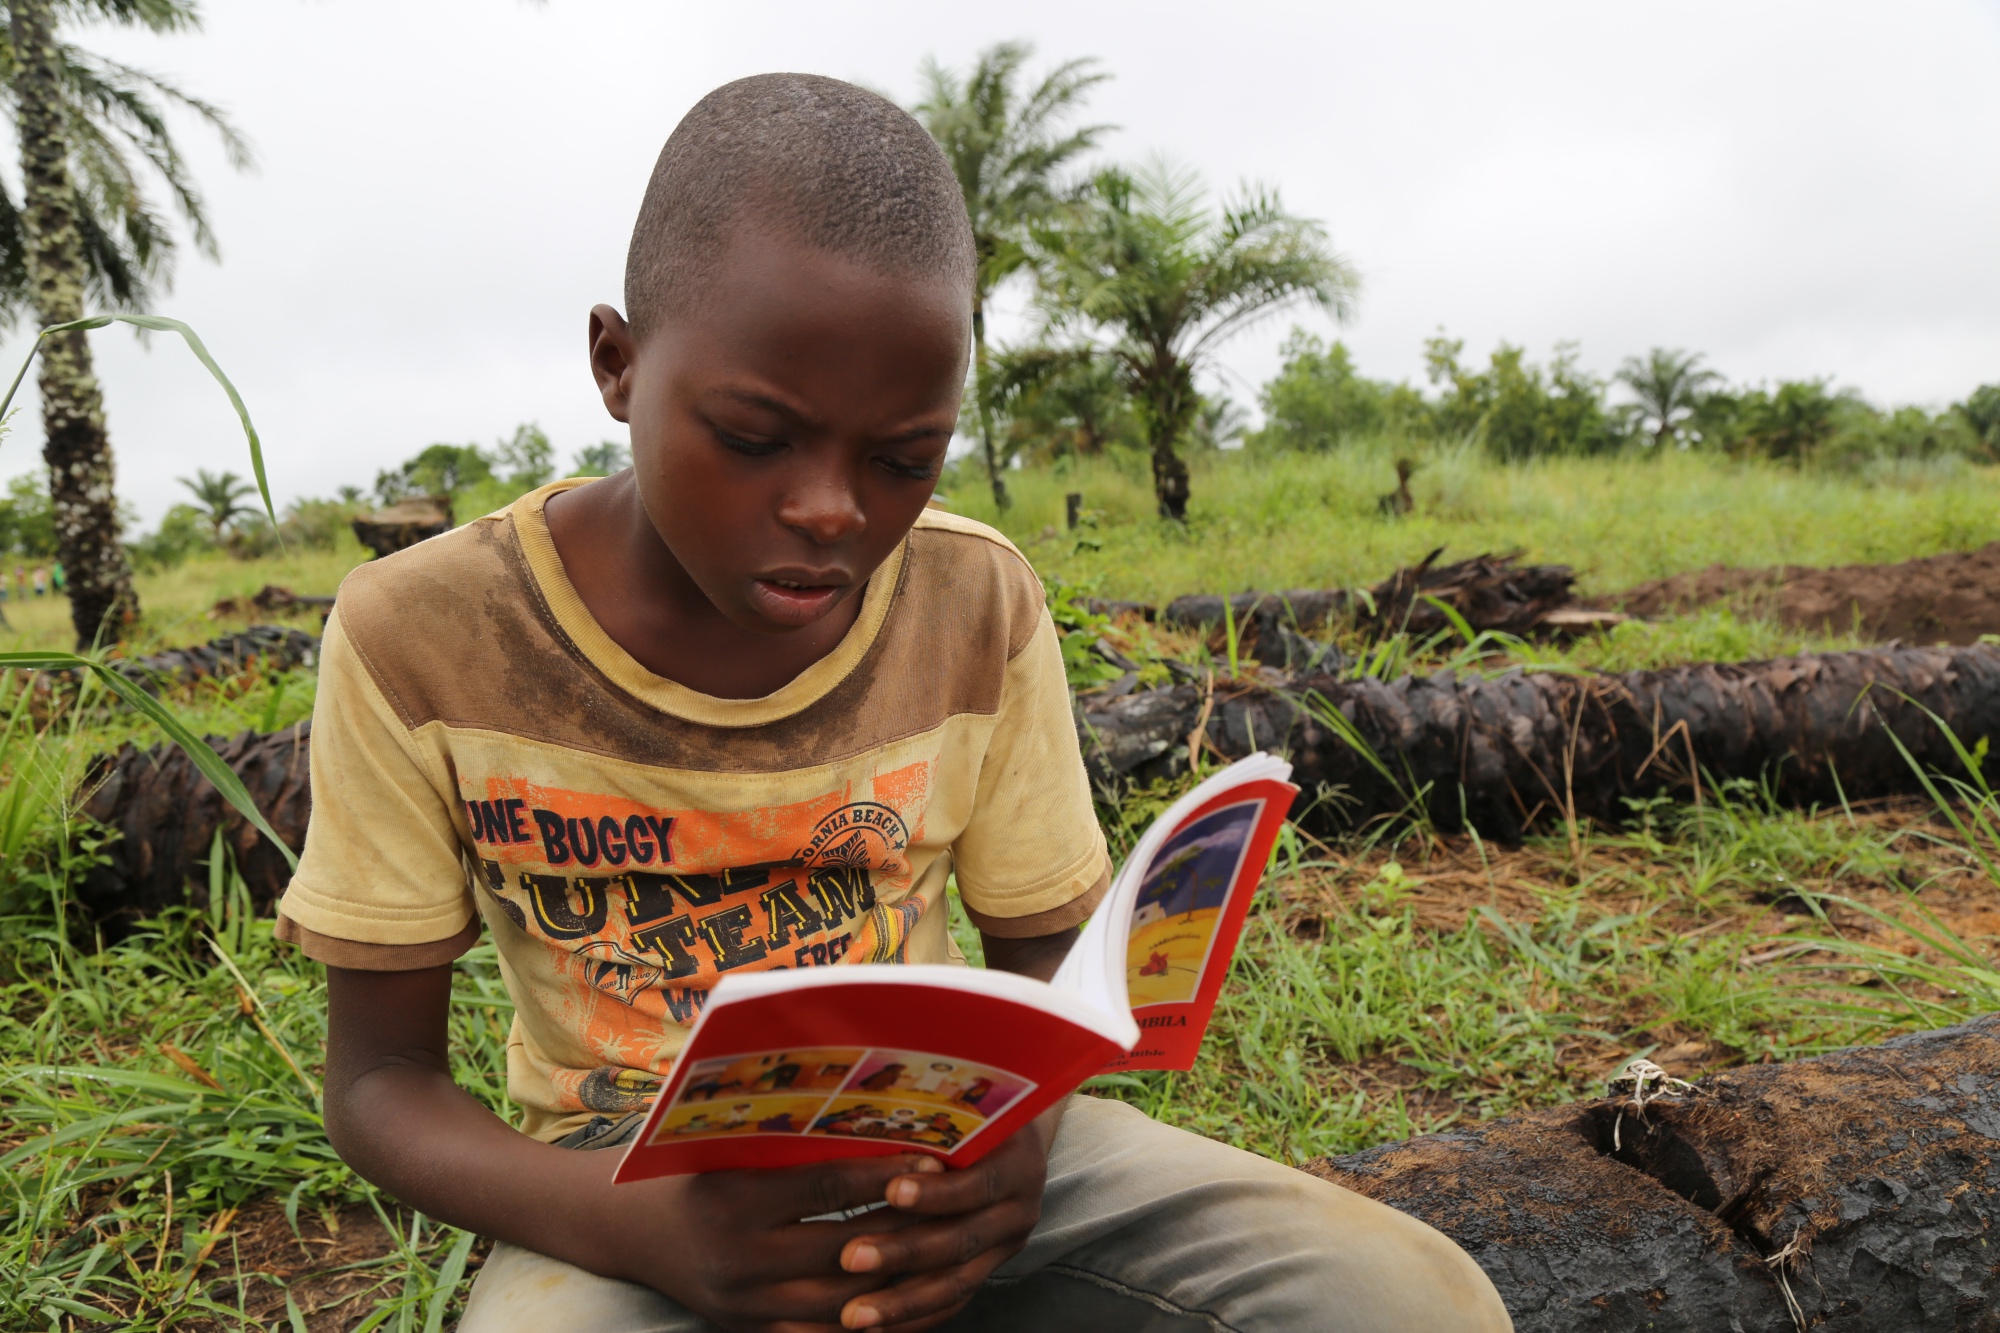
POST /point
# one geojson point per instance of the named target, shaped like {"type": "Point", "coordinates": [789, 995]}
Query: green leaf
{"type": "Point", "coordinates": [161, 323]}
{"type": "Point", "coordinates": [206, 760]}
{"type": "Point", "coordinates": [447, 1283]}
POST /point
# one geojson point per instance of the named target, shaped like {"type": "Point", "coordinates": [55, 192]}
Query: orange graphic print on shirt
{"type": "Point", "coordinates": [642, 910]}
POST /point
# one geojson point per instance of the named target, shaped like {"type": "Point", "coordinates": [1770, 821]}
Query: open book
{"type": "Point", "coordinates": [785, 1067]}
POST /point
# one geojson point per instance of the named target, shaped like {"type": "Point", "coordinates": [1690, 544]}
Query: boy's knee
{"type": "Point", "coordinates": [1387, 1270]}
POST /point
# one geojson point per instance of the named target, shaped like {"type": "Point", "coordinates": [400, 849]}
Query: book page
{"type": "Point", "coordinates": [788, 1067]}
{"type": "Point", "coordinates": [1180, 902]}
{"type": "Point", "coordinates": [1188, 898]}
{"type": "Point", "coordinates": [914, 1097]}
{"type": "Point", "coordinates": [1096, 968]}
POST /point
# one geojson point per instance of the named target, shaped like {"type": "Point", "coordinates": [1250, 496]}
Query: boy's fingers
{"type": "Point", "coordinates": [979, 1186]}
{"type": "Point", "coordinates": [934, 1246]}
{"type": "Point", "coordinates": [920, 1301]}
{"type": "Point", "coordinates": [792, 1194]}
{"type": "Point", "coordinates": [802, 1303]}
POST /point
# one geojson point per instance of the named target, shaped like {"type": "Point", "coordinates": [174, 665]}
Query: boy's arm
{"type": "Point", "coordinates": [1037, 956]}
{"type": "Point", "coordinates": [728, 1245]}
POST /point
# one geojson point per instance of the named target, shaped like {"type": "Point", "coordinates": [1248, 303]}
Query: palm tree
{"type": "Point", "coordinates": [1006, 149]}
{"type": "Point", "coordinates": [1150, 267]}
{"type": "Point", "coordinates": [1058, 400]}
{"type": "Point", "coordinates": [217, 497]}
{"type": "Point", "coordinates": [1668, 385]}
{"type": "Point", "coordinates": [87, 128]}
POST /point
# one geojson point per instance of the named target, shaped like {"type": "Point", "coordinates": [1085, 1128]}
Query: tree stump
{"type": "Point", "coordinates": [387, 531]}
{"type": "Point", "coordinates": [1865, 1183]}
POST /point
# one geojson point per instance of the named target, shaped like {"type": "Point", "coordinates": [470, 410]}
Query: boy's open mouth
{"type": "Point", "coordinates": [794, 601]}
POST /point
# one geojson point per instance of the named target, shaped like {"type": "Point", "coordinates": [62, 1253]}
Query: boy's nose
{"type": "Point", "coordinates": [825, 511]}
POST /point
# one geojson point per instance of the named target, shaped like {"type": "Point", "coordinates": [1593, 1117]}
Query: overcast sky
{"type": "Point", "coordinates": [445, 187]}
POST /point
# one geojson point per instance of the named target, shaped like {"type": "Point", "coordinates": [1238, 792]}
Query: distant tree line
{"type": "Point", "coordinates": [1137, 279]}
{"type": "Point", "coordinates": [472, 479]}
{"type": "Point", "coordinates": [1517, 410]}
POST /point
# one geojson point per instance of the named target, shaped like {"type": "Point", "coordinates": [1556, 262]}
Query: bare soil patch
{"type": "Point", "coordinates": [1951, 598]}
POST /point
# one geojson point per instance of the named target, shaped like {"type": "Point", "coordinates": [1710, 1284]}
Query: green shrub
{"type": "Point", "coordinates": [27, 521]}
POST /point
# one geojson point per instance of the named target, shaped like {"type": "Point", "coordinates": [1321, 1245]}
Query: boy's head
{"type": "Point", "coordinates": [799, 297]}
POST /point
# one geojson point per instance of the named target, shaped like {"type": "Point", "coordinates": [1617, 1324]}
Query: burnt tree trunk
{"type": "Point", "coordinates": [1868, 1178]}
{"type": "Point", "coordinates": [165, 814]}
{"type": "Point", "coordinates": [1508, 753]}
{"type": "Point", "coordinates": [403, 525]}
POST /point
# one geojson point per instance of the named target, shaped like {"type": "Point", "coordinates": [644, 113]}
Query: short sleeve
{"type": "Point", "coordinates": [1031, 860]}
{"type": "Point", "coordinates": [382, 864]}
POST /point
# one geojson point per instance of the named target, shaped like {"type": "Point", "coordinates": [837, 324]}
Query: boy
{"type": "Point", "coordinates": [747, 705]}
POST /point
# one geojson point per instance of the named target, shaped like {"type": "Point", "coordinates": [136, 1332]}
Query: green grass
{"type": "Point", "coordinates": [1382, 989]}
{"type": "Point", "coordinates": [176, 602]}
{"type": "Point", "coordinates": [1310, 521]}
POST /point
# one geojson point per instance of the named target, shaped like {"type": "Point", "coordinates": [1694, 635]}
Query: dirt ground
{"type": "Point", "coordinates": [1951, 598]}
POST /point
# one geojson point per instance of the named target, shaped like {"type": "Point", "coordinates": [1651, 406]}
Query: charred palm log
{"type": "Point", "coordinates": [273, 647]}
{"type": "Point", "coordinates": [165, 814]}
{"type": "Point", "coordinates": [1865, 1182]}
{"type": "Point", "coordinates": [1489, 592]}
{"type": "Point", "coordinates": [271, 599]}
{"type": "Point", "coordinates": [1507, 753]}
{"type": "Point", "coordinates": [276, 647]}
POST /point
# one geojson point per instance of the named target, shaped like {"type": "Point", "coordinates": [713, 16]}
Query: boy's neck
{"type": "Point", "coordinates": [643, 598]}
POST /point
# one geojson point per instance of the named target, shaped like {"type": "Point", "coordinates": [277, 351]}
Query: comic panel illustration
{"type": "Point", "coordinates": [1179, 903]}
{"type": "Point", "coordinates": [730, 1117]}
{"type": "Point", "coordinates": [919, 1097]}
{"type": "Point", "coordinates": [820, 1070]}
{"type": "Point", "coordinates": [900, 1119]}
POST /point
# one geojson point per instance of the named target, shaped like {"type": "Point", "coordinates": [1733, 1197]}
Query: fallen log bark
{"type": "Point", "coordinates": [1507, 753]}
{"type": "Point", "coordinates": [166, 814]}
{"type": "Point", "coordinates": [1868, 1180]}
{"type": "Point", "coordinates": [278, 647]}
{"type": "Point", "coordinates": [1489, 592]}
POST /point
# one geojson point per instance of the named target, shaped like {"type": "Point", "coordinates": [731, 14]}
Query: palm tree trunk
{"type": "Point", "coordinates": [985, 404]}
{"type": "Point", "coordinates": [1170, 405]}
{"type": "Point", "coordinates": [1170, 478]}
{"type": "Point", "coordinates": [77, 447]}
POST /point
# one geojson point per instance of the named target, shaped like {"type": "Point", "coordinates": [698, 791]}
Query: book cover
{"type": "Point", "coordinates": [793, 1066]}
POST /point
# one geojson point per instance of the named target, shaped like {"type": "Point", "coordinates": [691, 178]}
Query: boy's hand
{"type": "Point", "coordinates": [983, 1215]}
{"type": "Point", "coordinates": [731, 1246]}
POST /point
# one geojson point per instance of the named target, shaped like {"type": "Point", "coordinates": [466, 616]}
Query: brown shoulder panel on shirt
{"type": "Point", "coordinates": [359, 957]}
{"type": "Point", "coordinates": [1072, 913]}
{"type": "Point", "coordinates": [455, 630]}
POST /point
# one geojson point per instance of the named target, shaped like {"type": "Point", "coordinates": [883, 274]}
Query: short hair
{"type": "Point", "coordinates": [843, 169]}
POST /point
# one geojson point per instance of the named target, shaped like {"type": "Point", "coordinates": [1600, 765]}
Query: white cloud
{"type": "Point", "coordinates": [1794, 189]}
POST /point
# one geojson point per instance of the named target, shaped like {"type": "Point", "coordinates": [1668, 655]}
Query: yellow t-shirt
{"type": "Point", "coordinates": [481, 749]}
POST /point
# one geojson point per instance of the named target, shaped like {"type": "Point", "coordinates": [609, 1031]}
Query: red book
{"type": "Point", "coordinates": [794, 1066]}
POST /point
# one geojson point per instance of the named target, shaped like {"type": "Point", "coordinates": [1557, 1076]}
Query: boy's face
{"type": "Point", "coordinates": [786, 435]}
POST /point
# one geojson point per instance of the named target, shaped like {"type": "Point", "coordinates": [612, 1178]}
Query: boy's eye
{"type": "Point", "coordinates": [915, 470]}
{"type": "Point", "coordinates": [748, 448]}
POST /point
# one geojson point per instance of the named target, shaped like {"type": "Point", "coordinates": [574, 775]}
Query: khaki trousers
{"type": "Point", "coordinates": [1144, 1228]}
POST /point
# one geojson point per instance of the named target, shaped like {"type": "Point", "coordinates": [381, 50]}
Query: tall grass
{"type": "Point", "coordinates": [177, 601]}
{"type": "Point", "coordinates": [1310, 520]}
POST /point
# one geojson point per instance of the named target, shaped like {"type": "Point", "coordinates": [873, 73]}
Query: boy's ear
{"type": "Point", "coordinates": [612, 356]}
